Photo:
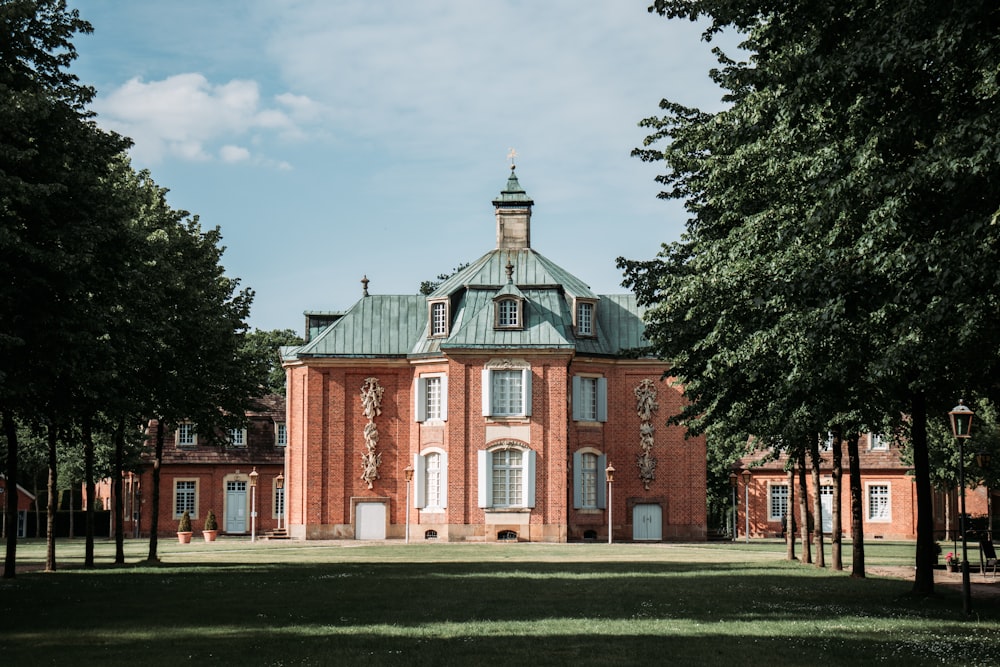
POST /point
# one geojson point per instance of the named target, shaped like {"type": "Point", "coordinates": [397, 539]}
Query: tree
{"type": "Point", "coordinates": [427, 287]}
{"type": "Point", "coordinates": [835, 207]}
{"type": "Point", "coordinates": [262, 347]}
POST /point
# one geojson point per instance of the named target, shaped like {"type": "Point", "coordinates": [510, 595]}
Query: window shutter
{"type": "Point", "coordinates": [485, 481]}
{"type": "Point", "coordinates": [577, 384]}
{"type": "Point", "coordinates": [602, 482]}
{"type": "Point", "coordinates": [419, 481]}
{"type": "Point", "coordinates": [602, 399]}
{"type": "Point", "coordinates": [444, 397]}
{"type": "Point", "coordinates": [487, 396]}
{"type": "Point", "coordinates": [420, 399]}
{"type": "Point", "coordinates": [577, 473]}
{"type": "Point", "coordinates": [444, 480]}
{"type": "Point", "coordinates": [529, 478]}
{"type": "Point", "coordinates": [526, 381]}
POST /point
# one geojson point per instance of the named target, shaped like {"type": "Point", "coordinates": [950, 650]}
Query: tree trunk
{"type": "Point", "coordinates": [836, 536]}
{"type": "Point", "coordinates": [10, 559]}
{"type": "Point", "coordinates": [790, 517]}
{"type": "Point", "coordinates": [88, 479]}
{"type": "Point", "coordinates": [923, 582]}
{"type": "Point", "coordinates": [154, 520]}
{"type": "Point", "coordinates": [817, 502]}
{"type": "Point", "coordinates": [116, 492]}
{"type": "Point", "coordinates": [53, 492]}
{"type": "Point", "coordinates": [857, 509]}
{"type": "Point", "coordinates": [804, 508]}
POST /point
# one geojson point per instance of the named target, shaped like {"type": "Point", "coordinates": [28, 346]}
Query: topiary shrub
{"type": "Point", "coordinates": [184, 525]}
{"type": "Point", "coordinates": [210, 523]}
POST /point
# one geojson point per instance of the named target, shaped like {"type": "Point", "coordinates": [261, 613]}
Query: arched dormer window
{"type": "Point", "coordinates": [508, 313]}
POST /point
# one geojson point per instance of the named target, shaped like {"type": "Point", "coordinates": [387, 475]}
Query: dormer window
{"type": "Point", "coordinates": [508, 313]}
{"type": "Point", "coordinates": [585, 325]}
{"type": "Point", "coordinates": [439, 318]}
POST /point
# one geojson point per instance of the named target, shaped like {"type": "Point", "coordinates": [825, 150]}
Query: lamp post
{"type": "Point", "coordinates": [609, 474]}
{"type": "Point", "coordinates": [961, 425]}
{"type": "Point", "coordinates": [746, 510]}
{"type": "Point", "coordinates": [253, 503]}
{"type": "Point", "coordinates": [408, 471]}
{"type": "Point", "coordinates": [733, 481]}
{"type": "Point", "coordinates": [279, 484]}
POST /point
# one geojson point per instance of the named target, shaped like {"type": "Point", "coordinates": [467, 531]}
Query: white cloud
{"type": "Point", "coordinates": [186, 116]}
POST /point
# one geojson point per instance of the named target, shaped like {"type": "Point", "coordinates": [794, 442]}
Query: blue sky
{"type": "Point", "coordinates": [336, 139]}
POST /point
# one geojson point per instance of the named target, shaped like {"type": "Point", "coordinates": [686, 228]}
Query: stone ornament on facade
{"type": "Point", "coordinates": [645, 407]}
{"type": "Point", "coordinates": [371, 407]}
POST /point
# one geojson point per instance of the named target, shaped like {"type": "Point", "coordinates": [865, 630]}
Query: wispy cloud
{"type": "Point", "coordinates": [185, 116]}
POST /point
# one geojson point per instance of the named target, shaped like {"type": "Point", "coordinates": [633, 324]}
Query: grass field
{"type": "Point", "coordinates": [351, 603]}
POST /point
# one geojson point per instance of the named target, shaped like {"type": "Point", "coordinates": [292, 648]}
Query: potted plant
{"type": "Point", "coordinates": [184, 528]}
{"type": "Point", "coordinates": [211, 530]}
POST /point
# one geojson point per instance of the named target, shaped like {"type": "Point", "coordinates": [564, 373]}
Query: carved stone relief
{"type": "Point", "coordinates": [371, 407]}
{"type": "Point", "coordinates": [645, 407]}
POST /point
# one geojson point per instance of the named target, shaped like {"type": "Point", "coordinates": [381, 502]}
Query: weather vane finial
{"type": "Point", "coordinates": [510, 156]}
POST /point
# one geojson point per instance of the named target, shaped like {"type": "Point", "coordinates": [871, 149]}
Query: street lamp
{"type": "Point", "coordinates": [279, 484]}
{"type": "Point", "coordinates": [609, 474]}
{"type": "Point", "coordinates": [961, 426]}
{"type": "Point", "coordinates": [746, 474]}
{"type": "Point", "coordinates": [733, 481]}
{"type": "Point", "coordinates": [253, 503]}
{"type": "Point", "coordinates": [408, 471]}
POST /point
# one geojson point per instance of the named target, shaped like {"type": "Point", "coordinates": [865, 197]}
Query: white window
{"type": "Point", "coordinates": [878, 503]}
{"type": "Point", "coordinates": [507, 313]}
{"type": "Point", "coordinates": [431, 398]}
{"type": "Point", "coordinates": [590, 399]}
{"type": "Point", "coordinates": [430, 480]}
{"type": "Point", "coordinates": [878, 443]}
{"type": "Point", "coordinates": [507, 389]}
{"type": "Point", "coordinates": [237, 437]}
{"type": "Point", "coordinates": [777, 502]}
{"type": "Point", "coordinates": [185, 497]}
{"type": "Point", "coordinates": [186, 436]}
{"type": "Point", "coordinates": [584, 318]}
{"type": "Point", "coordinates": [589, 480]}
{"type": "Point", "coordinates": [439, 318]}
{"type": "Point", "coordinates": [507, 477]}
{"type": "Point", "coordinates": [279, 501]}
{"type": "Point", "coordinates": [280, 434]}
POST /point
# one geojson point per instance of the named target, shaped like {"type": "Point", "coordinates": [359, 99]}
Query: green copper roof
{"type": "Point", "coordinates": [531, 269]}
{"type": "Point", "coordinates": [513, 193]}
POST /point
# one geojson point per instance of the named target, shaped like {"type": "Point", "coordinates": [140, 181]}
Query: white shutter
{"type": "Point", "coordinates": [485, 481]}
{"type": "Point", "coordinates": [444, 480]}
{"type": "Point", "coordinates": [602, 399]}
{"type": "Point", "coordinates": [444, 397]}
{"type": "Point", "coordinates": [529, 478]}
{"type": "Point", "coordinates": [419, 481]}
{"type": "Point", "coordinates": [577, 384]}
{"type": "Point", "coordinates": [420, 399]}
{"type": "Point", "coordinates": [487, 395]}
{"type": "Point", "coordinates": [602, 481]}
{"type": "Point", "coordinates": [526, 383]}
{"type": "Point", "coordinates": [577, 473]}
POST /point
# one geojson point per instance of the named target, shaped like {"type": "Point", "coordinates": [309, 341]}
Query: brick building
{"type": "Point", "coordinates": [199, 475]}
{"type": "Point", "coordinates": [505, 394]}
{"type": "Point", "coordinates": [888, 494]}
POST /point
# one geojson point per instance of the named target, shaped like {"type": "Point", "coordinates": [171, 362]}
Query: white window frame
{"type": "Point", "coordinates": [191, 433]}
{"type": "Point", "coordinates": [278, 499]}
{"type": "Point", "coordinates": [878, 508]}
{"type": "Point", "coordinates": [878, 442]}
{"type": "Point", "coordinates": [585, 318]}
{"type": "Point", "coordinates": [186, 498]}
{"type": "Point", "coordinates": [237, 437]}
{"type": "Point", "coordinates": [775, 500]}
{"type": "Point", "coordinates": [490, 409]}
{"type": "Point", "coordinates": [280, 434]}
{"type": "Point", "coordinates": [485, 467]}
{"type": "Point", "coordinates": [584, 477]}
{"type": "Point", "coordinates": [438, 318]}
{"type": "Point", "coordinates": [508, 313]}
{"type": "Point", "coordinates": [424, 478]}
{"type": "Point", "coordinates": [422, 398]}
{"type": "Point", "coordinates": [590, 398]}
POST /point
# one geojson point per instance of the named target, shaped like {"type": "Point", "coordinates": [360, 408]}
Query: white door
{"type": "Point", "coordinates": [370, 518]}
{"type": "Point", "coordinates": [647, 522]}
{"type": "Point", "coordinates": [236, 507]}
{"type": "Point", "coordinates": [826, 504]}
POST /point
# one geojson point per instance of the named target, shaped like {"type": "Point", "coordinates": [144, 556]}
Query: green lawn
{"type": "Point", "coordinates": [294, 603]}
